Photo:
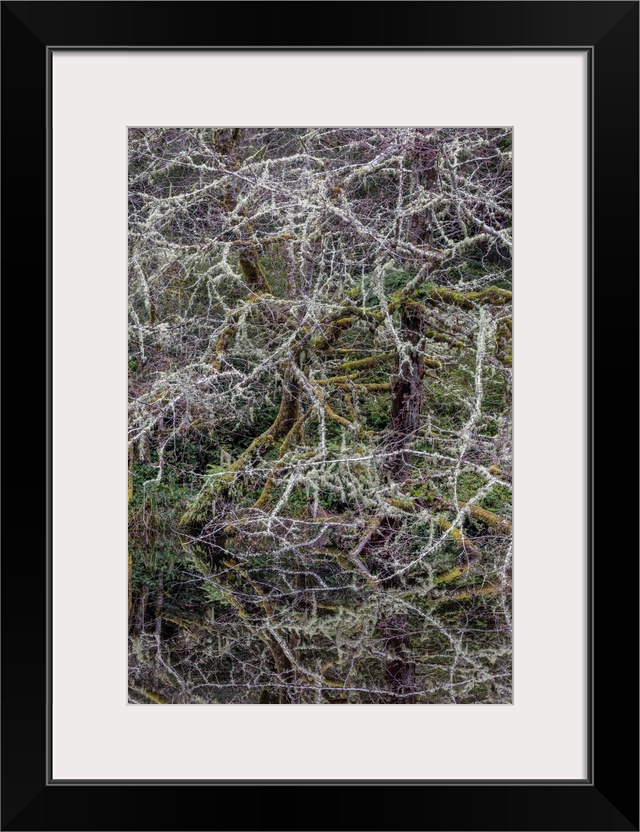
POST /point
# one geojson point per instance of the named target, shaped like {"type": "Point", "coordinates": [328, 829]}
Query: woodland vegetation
{"type": "Point", "coordinates": [320, 450]}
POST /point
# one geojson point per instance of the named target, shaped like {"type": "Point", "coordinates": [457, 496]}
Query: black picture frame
{"type": "Point", "coordinates": [608, 798]}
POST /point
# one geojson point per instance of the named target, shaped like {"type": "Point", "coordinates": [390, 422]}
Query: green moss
{"type": "Point", "coordinates": [468, 485]}
{"type": "Point", "coordinates": [493, 395]}
{"type": "Point", "coordinates": [492, 295]}
{"type": "Point", "coordinates": [367, 363]}
{"type": "Point", "coordinates": [498, 500]}
{"type": "Point", "coordinates": [423, 491]}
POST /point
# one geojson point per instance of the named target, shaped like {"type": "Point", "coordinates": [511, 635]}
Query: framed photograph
{"type": "Point", "coordinates": [334, 313]}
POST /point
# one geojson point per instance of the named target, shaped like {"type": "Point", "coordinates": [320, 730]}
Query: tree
{"type": "Point", "coordinates": [320, 415]}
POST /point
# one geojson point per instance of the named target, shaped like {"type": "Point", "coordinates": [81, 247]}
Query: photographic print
{"type": "Point", "coordinates": [320, 415]}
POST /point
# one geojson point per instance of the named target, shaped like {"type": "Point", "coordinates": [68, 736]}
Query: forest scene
{"type": "Point", "coordinates": [320, 415]}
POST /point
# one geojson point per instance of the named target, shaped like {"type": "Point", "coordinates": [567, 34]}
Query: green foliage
{"type": "Point", "coordinates": [498, 500]}
{"type": "Point", "coordinates": [376, 411]}
{"type": "Point", "coordinates": [396, 280]}
{"type": "Point", "coordinates": [215, 595]}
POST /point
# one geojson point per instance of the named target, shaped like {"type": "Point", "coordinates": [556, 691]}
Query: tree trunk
{"type": "Point", "coordinates": [406, 395]}
{"type": "Point", "coordinates": [159, 601]}
{"type": "Point", "coordinates": [406, 404]}
{"type": "Point", "coordinates": [400, 673]}
{"type": "Point", "coordinates": [138, 626]}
